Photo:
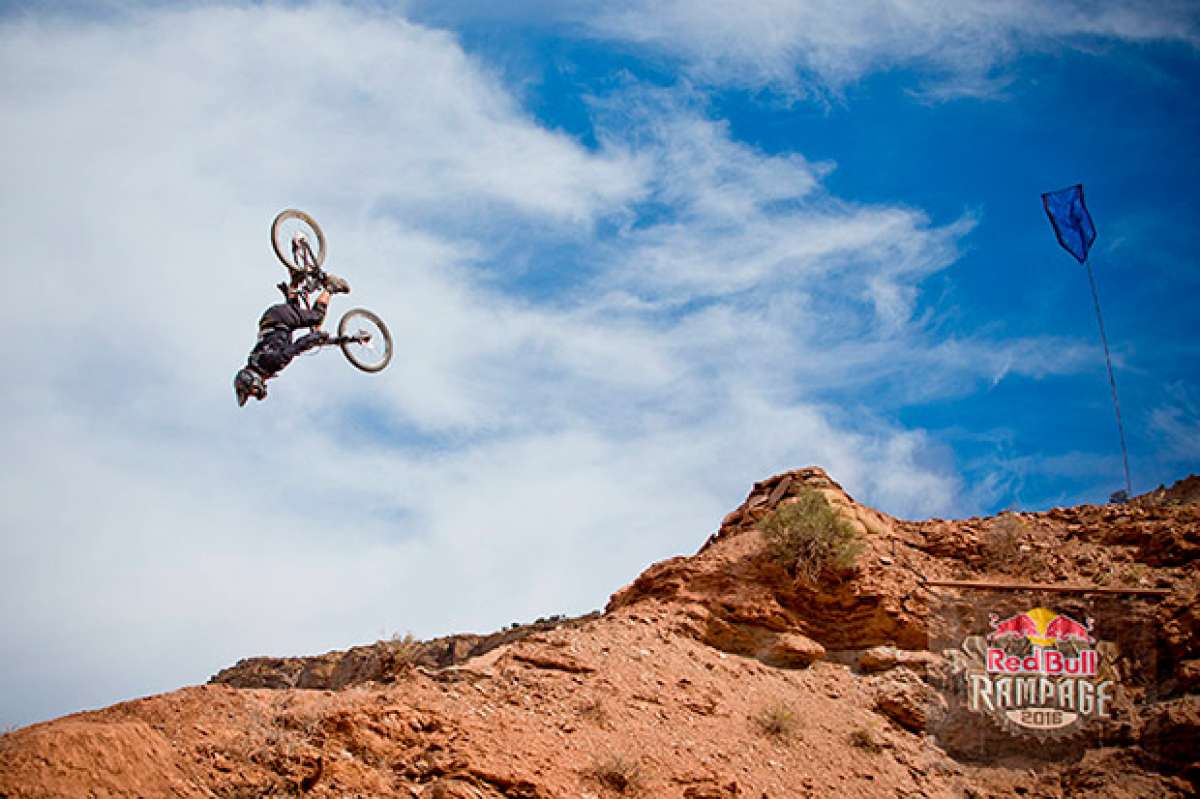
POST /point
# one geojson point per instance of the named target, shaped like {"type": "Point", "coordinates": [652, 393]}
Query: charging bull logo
{"type": "Point", "coordinates": [1041, 674]}
{"type": "Point", "coordinates": [1043, 627]}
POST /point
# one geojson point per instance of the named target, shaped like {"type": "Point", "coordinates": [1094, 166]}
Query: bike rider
{"type": "Point", "coordinates": [275, 348]}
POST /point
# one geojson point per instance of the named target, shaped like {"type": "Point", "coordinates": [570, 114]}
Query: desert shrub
{"type": "Point", "coordinates": [1009, 545]}
{"type": "Point", "coordinates": [1003, 538]}
{"type": "Point", "coordinates": [617, 773]}
{"type": "Point", "coordinates": [6, 736]}
{"type": "Point", "coordinates": [593, 710]}
{"type": "Point", "coordinates": [864, 739]}
{"type": "Point", "coordinates": [777, 721]}
{"type": "Point", "coordinates": [404, 649]}
{"type": "Point", "coordinates": [808, 537]}
{"type": "Point", "coordinates": [1134, 574]}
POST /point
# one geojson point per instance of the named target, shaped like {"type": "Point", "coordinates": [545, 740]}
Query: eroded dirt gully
{"type": "Point", "coordinates": [714, 675]}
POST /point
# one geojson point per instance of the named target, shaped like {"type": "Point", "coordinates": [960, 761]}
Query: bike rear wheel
{"type": "Point", "coordinates": [286, 224]}
{"type": "Point", "coordinates": [367, 342]}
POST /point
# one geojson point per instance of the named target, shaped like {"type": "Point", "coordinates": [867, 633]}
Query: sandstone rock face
{"type": "Point", "coordinates": [790, 650]}
{"type": "Point", "coordinates": [122, 758]}
{"type": "Point", "coordinates": [711, 676]}
{"type": "Point", "coordinates": [378, 662]}
{"type": "Point", "coordinates": [736, 596]}
{"type": "Point", "coordinates": [882, 658]}
{"type": "Point", "coordinates": [905, 699]}
{"type": "Point", "coordinates": [1171, 730]}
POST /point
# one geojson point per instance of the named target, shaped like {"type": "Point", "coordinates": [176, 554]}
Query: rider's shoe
{"type": "Point", "coordinates": [335, 285]}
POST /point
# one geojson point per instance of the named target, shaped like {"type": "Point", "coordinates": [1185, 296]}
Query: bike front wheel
{"type": "Point", "coordinates": [285, 226]}
{"type": "Point", "coordinates": [365, 340]}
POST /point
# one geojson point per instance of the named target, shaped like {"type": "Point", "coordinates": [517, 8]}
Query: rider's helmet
{"type": "Point", "coordinates": [249, 383]}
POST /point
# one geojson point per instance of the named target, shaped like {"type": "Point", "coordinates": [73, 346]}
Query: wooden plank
{"type": "Point", "coordinates": [1076, 589]}
{"type": "Point", "coordinates": [779, 491]}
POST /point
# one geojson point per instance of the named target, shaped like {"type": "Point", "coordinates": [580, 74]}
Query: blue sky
{"type": "Point", "coordinates": [636, 256]}
{"type": "Point", "coordinates": [1118, 116]}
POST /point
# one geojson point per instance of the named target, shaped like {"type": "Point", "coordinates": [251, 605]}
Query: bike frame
{"type": "Point", "coordinates": [310, 285]}
{"type": "Point", "coordinates": [307, 279]}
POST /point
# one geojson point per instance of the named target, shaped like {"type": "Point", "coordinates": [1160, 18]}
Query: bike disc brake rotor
{"type": "Point", "coordinates": [368, 344]}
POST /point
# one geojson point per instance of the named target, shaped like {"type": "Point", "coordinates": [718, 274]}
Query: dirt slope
{"type": "Point", "coordinates": [715, 675]}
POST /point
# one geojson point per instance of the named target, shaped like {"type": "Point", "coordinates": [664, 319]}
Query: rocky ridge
{"type": "Point", "coordinates": [713, 675]}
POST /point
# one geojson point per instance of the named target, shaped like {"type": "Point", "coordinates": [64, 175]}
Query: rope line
{"type": "Point", "coordinates": [1112, 381]}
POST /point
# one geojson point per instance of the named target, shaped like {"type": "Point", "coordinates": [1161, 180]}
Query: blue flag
{"type": "Point", "coordinates": [1071, 220]}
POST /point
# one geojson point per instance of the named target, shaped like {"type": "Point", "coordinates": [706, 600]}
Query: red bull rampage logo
{"type": "Point", "coordinates": [1042, 674]}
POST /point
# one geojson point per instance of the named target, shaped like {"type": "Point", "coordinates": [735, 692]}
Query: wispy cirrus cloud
{"type": "Point", "coordinates": [823, 46]}
{"type": "Point", "coordinates": [1175, 424]}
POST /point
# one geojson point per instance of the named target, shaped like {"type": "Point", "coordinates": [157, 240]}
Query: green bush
{"type": "Point", "coordinates": [808, 537]}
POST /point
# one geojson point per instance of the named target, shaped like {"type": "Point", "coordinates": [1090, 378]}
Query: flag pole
{"type": "Point", "coordinates": [1112, 381]}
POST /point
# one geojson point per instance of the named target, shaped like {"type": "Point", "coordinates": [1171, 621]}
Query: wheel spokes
{"type": "Point", "coordinates": [301, 255]}
{"type": "Point", "coordinates": [366, 341]}
{"type": "Point", "coordinates": [365, 348]}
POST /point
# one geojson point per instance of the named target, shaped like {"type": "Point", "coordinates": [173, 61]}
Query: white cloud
{"type": "Point", "coordinates": [801, 46]}
{"type": "Point", "coordinates": [521, 456]}
{"type": "Point", "coordinates": [736, 219]}
{"type": "Point", "coordinates": [1175, 426]}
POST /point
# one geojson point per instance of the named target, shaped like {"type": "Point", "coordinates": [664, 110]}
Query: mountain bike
{"type": "Point", "coordinates": [362, 336]}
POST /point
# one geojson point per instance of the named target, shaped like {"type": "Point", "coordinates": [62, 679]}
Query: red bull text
{"type": "Point", "coordinates": [1050, 662]}
{"type": "Point", "coordinates": [1040, 674]}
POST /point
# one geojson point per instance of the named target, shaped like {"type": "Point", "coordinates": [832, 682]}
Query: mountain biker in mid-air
{"type": "Point", "coordinates": [275, 348]}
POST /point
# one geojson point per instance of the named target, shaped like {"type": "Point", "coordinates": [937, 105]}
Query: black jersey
{"type": "Point", "coordinates": [275, 348]}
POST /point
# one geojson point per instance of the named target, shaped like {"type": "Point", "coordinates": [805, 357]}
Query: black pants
{"type": "Point", "coordinates": [275, 350]}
